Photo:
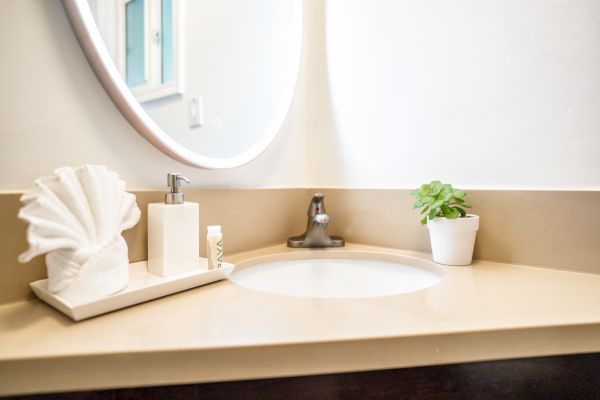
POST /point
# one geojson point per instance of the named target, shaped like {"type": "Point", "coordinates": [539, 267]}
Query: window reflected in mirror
{"type": "Point", "coordinates": [144, 43]}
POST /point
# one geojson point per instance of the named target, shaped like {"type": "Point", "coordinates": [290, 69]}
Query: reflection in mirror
{"type": "Point", "coordinates": [209, 82]}
{"type": "Point", "coordinates": [142, 38]}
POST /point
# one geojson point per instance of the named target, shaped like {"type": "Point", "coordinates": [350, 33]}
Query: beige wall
{"type": "Point", "coordinates": [541, 228]}
{"type": "Point", "coordinates": [556, 229]}
{"type": "Point", "coordinates": [249, 219]}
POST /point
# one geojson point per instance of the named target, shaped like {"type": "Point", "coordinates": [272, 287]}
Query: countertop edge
{"type": "Point", "coordinates": [172, 367]}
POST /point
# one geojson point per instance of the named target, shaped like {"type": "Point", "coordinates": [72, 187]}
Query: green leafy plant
{"type": "Point", "coordinates": [440, 200]}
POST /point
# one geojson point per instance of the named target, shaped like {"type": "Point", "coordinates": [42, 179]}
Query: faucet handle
{"type": "Point", "coordinates": [317, 205]}
{"type": "Point", "coordinates": [322, 218]}
{"type": "Point", "coordinates": [316, 234]}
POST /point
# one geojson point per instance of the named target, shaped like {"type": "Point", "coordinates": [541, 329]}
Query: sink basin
{"type": "Point", "coordinates": [337, 274]}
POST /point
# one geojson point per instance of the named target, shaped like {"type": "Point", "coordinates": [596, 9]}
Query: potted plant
{"type": "Point", "coordinates": [451, 230]}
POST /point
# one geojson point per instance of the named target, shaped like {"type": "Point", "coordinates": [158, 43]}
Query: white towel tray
{"type": "Point", "coordinates": [142, 286]}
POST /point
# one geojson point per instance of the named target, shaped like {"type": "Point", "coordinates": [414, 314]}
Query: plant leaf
{"type": "Point", "coordinates": [445, 210]}
{"type": "Point", "coordinates": [428, 199]}
{"type": "Point", "coordinates": [418, 203]}
{"type": "Point", "coordinates": [435, 187]}
{"type": "Point", "coordinates": [437, 203]}
{"type": "Point", "coordinates": [424, 210]}
{"type": "Point", "coordinates": [453, 214]}
{"type": "Point", "coordinates": [465, 205]}
{"type": "Point", "coordinates": [432, 213]}
{"type": "Point", "coordinates": [459, 193]}
{"type": "Point", "coordinates": [424, 220]}
{"type": "Point", "coordinates": [450, 212]}
{"type": "Point", "coordinates": [461, 211]}
{"type": "Point", "coordinates": [446, 192]}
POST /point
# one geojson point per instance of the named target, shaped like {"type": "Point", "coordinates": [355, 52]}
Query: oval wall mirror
{"type": "Point", "coordinates": [208, 82]}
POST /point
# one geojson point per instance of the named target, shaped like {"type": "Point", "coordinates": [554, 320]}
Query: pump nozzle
{"type": "Point", "coordinates": [173, 181]}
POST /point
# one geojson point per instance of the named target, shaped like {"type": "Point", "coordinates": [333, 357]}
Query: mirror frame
{"type": "Point", "coordinates": [90, 40]}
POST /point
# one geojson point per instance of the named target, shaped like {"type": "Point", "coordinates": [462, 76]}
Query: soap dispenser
{"type": "Point", "coordinates": [173, 232]}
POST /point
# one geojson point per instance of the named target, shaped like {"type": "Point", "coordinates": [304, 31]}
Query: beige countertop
{"type": "Point", "coordinates": [226, 332]}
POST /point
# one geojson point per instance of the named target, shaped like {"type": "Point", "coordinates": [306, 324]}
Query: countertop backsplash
{"type": "Point", "coordinates": [553, 229]}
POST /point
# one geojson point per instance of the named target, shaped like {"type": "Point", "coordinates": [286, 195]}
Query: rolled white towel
{"type": "Point", "coordinates": [76, 216]}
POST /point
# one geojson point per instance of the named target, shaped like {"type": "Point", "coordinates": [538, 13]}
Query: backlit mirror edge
{"type": "Point", "coordinates": [91, 42]}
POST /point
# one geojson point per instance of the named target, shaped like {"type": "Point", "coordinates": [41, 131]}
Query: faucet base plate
{"type": "Point", "coordinates": [301, 242]}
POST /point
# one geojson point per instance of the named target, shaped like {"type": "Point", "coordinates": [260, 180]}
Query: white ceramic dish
{"type": "Point", "coordinates": [142, 286]}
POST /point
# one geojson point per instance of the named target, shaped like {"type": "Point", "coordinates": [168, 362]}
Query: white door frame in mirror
{"type": "Point", "coordinates": [108, 74]}
{"type": "Point", "coordinates": [152, 88]}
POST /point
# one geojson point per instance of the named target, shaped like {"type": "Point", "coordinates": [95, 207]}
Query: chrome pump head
{"type": "Point", "coordinates": [173, 181]}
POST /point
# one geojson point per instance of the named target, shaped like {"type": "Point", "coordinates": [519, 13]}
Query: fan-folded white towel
{"type": "Point", "coordinates": [77, 216]}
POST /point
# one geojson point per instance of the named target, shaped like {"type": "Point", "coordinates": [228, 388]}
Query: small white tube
{"type": "Point", "coordinates": [214, 244]}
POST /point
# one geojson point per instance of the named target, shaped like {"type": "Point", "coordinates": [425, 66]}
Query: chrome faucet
{"type": "Point", "coordinates": [316, 229]}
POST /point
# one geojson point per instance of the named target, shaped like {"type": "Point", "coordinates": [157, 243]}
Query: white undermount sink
{"type": "Point", "coordinates": [337, 274]}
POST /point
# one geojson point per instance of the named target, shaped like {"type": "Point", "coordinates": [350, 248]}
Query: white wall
{"type": "Point", "coordinates": [501, 93]}
{"type": "Point", "coordinates": [498, 93]}
{"type": "Point", "coordinates": [53, 112]}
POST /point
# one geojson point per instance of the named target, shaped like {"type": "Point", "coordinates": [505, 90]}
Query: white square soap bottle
{"type": "Point", "coordinates": [173, 232]}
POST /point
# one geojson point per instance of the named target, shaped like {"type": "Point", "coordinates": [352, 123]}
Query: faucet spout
{"type": "Point", "coordinates": [316, 234]}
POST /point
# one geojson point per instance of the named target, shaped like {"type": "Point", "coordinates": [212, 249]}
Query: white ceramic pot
{"type": "Point", "coordinates": [453, 240]}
